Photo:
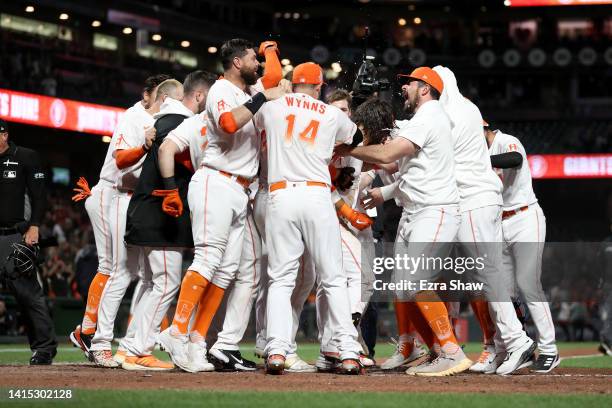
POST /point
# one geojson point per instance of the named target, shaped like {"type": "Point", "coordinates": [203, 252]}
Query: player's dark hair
{"type": "Point", "coordinates": [154, 80]}
{"type": "Point", "coordinates": [340, 95]}
{"type": "Point", "coordinates": [432, 91]}
{"type": "Point", "coordinates": [236, 47]}
{"type": "Point", "coordinates": [376, 117]}
{"type": "Point", "coordinates": [196, 79]}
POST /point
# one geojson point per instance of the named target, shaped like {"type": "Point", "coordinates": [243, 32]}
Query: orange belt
{"type": "Point", "coordinates": [508, 214]}
{"type": "Point", "coordinates": [244, 182]}
{"type": "Point", "coordinates": [279, 185]}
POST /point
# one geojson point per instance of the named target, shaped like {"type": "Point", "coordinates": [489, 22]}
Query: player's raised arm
{"type": "Point", "coordinates": [273, 71]}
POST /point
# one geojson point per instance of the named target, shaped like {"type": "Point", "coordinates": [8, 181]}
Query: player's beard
{"type": "Point", "coordinates": [410, 103]}
{"type": "Point", "coordinates": [249, 75]}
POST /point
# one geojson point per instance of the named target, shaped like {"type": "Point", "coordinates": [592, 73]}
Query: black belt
{"type": "Point", "coordinates": [8, 231]}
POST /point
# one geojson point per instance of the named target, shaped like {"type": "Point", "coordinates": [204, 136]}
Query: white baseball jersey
{"type": "Point", "coordinates": [478, 185]}
{"type": "Point", "coordinates": [236, 153]}
{"type": "Point", "coordinates": [133, 136]}
{"type": "Point", "coordinates": [192, 134]}
{"type": "Point", "coordinates": [428, 178]}
{"type": "Point", "coordinates": [301, 133]}
{"type": "Point", "coordinates": [350, 195]}
{"type": "Point", "coordinates": [518, 190]}
{"type": "Point", "coordinates": [128, 133]}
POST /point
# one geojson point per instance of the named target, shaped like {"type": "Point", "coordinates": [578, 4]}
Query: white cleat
{"type": "Point", "coordinates": [196, 353]}
{"type": "Point", "coordinates": [103, 358]}
{"type": "Point", "coordinates": [177, 349]}
{"type": "Point", "coordinates": [405, 352]}
{"type": "Point", "coordinates": [294, 364]}
{"type": "Point", "coordinates": [487, 357]}
{"type": "Point", "coordinates": [444, 365]}
{"type": "Point", "coordinates": [517, 359]}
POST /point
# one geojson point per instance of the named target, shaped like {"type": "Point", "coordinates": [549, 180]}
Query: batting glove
{"type": "Point", "coordinates": [358, 220]}
{"type": "Point", "coordinates": [172, 203]}
{"type": "Point", "coordinates": [82, 190]}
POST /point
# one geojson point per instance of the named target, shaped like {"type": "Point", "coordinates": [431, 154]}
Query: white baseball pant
{"type": "Point", "coordinates": [481, 233]}
{"type": "Point", "coordinates": [304, 219]}
{"type": "Point", "coordinates": [243, 291]}
{"type": "Point", "coordinates": [125, 268]}
{"type": "Point", "coordinates": [98, 206]}
{"type": "Point", "coordinates": [218, 208]}
{"type": "Point", "coordinates": [524, 237]}
{"type": "Point", "coordinates": [163, 271]}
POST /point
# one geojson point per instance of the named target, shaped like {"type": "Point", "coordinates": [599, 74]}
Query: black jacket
{"type": "Point", "coordinates": [21, 172]}
{"type": "Point", "coordinates": [147, 224]}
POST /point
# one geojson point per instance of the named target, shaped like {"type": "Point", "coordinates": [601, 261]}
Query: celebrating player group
{"type": "Point", "coordinates": [270, 186]}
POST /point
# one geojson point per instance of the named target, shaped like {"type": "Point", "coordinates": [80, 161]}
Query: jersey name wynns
{"type": "Point", "coordinates": [518, 190]}
{"type": "Point", "coordinates": [236, 153]}
{"type": "Point", "coordinates": [301, 133]}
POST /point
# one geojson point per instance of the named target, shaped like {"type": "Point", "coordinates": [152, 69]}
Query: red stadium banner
{"type": "Point", "coordinates": [39, 110]}
{"type": "Point", "coordinates": [535, 3]}
{"type": "Point", "coordinates": [556, 166]}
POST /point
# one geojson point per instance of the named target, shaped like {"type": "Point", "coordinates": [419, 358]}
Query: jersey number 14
{"type": "Point", "coordinates": [308, 135]}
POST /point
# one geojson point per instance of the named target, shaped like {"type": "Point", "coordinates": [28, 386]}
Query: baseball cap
{"type": "Point", "coordinates": [307, 73]}
{"type": "Point", "coordinates": [3, 126]}
{"type": "Point", "coordinates": [427, 75]}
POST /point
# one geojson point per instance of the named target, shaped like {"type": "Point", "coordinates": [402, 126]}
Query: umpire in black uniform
{"type": "Point", "coordinates": [21, 172]}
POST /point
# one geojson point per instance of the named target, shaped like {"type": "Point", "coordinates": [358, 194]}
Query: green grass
{"type": "Point", "coordinates": [308, 351]}
{"type": "Point", "coordinates": [167, 398]}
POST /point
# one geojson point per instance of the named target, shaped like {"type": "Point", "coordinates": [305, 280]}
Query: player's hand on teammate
{"type": "Point", "coordinates": [267, 46]}
{"type": "Point", "coordinates": [343, 150]}
{"type": "Point", "coordinates": [372, 198]}
{"type": "Point", "coordinates": [172, 203]}
{"type": "Point", "coordinates": [286, 85]}
{"type": "Point", "coordinates": [150, 133]}
{"type": "Point", "coordinates": [344, 179]}
{"type": "Point", "coordinates": [274, 93]}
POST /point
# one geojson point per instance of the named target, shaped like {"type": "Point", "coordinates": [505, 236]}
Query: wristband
{"type": "Point", "coordinates": [255, 103]}
{"type": "Point", "coordinates": [169, 183]}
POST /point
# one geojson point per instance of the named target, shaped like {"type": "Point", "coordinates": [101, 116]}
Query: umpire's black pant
{"type": "Point", "coordinates": [31, 301]}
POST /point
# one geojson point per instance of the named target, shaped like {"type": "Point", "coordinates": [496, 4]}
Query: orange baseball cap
{"type": "Point", "coordinates": [427, 75]}
{"type": "Point", "coordinates": [307, 73]}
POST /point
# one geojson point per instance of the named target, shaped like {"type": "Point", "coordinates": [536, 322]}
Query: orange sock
{"type": "Point", "coordinates": [402, 318]}
{"type": "Point", "coordinates": [420, 324]}
{"type": "Point", "coordinates": [192, 288]}
{"type": "Point", "coordinates": [437, 318]}
{"type": "Point", "coordinates": [481, 310]}
{"type": "Point", "coordinates": [164, 324]}
{"type": "Point", "coordinates": [207, 308]}
{"type": "Point", "coordinates": [90, 318]}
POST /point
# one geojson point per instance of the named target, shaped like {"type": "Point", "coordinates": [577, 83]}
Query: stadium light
{"type": "Point", "coordinates": [212, 50]}
{"type": "Point", "coordinates": [29, 9]}
{"type": "Point", "coordinates": [401, 21]}
{"type": "Point", "coordinates": [296, 16]}
{"type": "Point", "coordinates": [127, 31]}
{"type": "Point", "coordinates": [417, 20]}
{"type": "Point", "coordinates": [63, 16]}
{"type": "Point", "coordinates": [96, 23]}
{"type": "Point", "coordinates": [156, 37]}
{"type": "Point", "coordinates": [285, 61]}
{"type": "Point", "coordinates": [336, 67]}
{"type": "Point", "coordinates": [185, 44]}
{"type": "Point", "coordinates": [507, 3]}
{"type": "Point", "coordinates": [106, 139]}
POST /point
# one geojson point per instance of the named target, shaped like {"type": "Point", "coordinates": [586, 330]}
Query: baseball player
{"type": "Point", "coordinates": [218, 198]}
{"type": "Point", "coordinates": [98, 206]}
{"type": "Point", "coordinates": [427, 189]}
{"type": "Point", "coordinates": [480, 231]}
{"type": "Point", "coordinates": [301, 132]}
{"type": "Point", "coordinates": [164, 232]}
{"type": "Point", "coordinates": [524, 230]}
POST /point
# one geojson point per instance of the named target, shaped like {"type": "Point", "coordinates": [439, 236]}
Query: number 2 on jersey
{"type": "Point", "coordinates": [308, 135]}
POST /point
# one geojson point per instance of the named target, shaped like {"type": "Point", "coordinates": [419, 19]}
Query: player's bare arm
{"type": "Point", "coordinates": [167, 151]}
{"type": "Point", "coordinates": [381, 154]}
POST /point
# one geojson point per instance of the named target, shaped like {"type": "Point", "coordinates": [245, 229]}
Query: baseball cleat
{"type": "Point", "coordinates": [294, 364]}
{"type": "Point", "coordinates": [275, 364]}
{"type": "Point", "coordinates": [176, 347]}
{"type": "Point", "coordinates": [145, 363]}
{"type": "Point", "coordinates": [350, 366]}
{"type": "Point", "coordinates": [486, 359]}
{"type": "Point", "coordinates": [605, 348]}
{"type": "Point", "coordinates": [405, 352]}
{"type": "Point", "coordinates": [499, 359]}
{"type": "Point", "coordinates": [119, 356]}
{"type": "Point", "coordinates": [443, 365]}
{"type": "Point", "coordinates": [196, 353]}
{"type": "Point", "coordinates": [517, 359]}
{"type": "Point", "coordinates": [366, 361]}
{"type": "Point", "coordinates": [230, 360]}
{"type": "Point", "coordinates": [259, 352]}
{"type": "Point", "coordinates": [103, 358]}
{"type": "Point", "coordinates": [323, 364]}
{"type": "Point", "coordinates": [545, 363]}
{"type": "Point", "coordinates": [82, 341]}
